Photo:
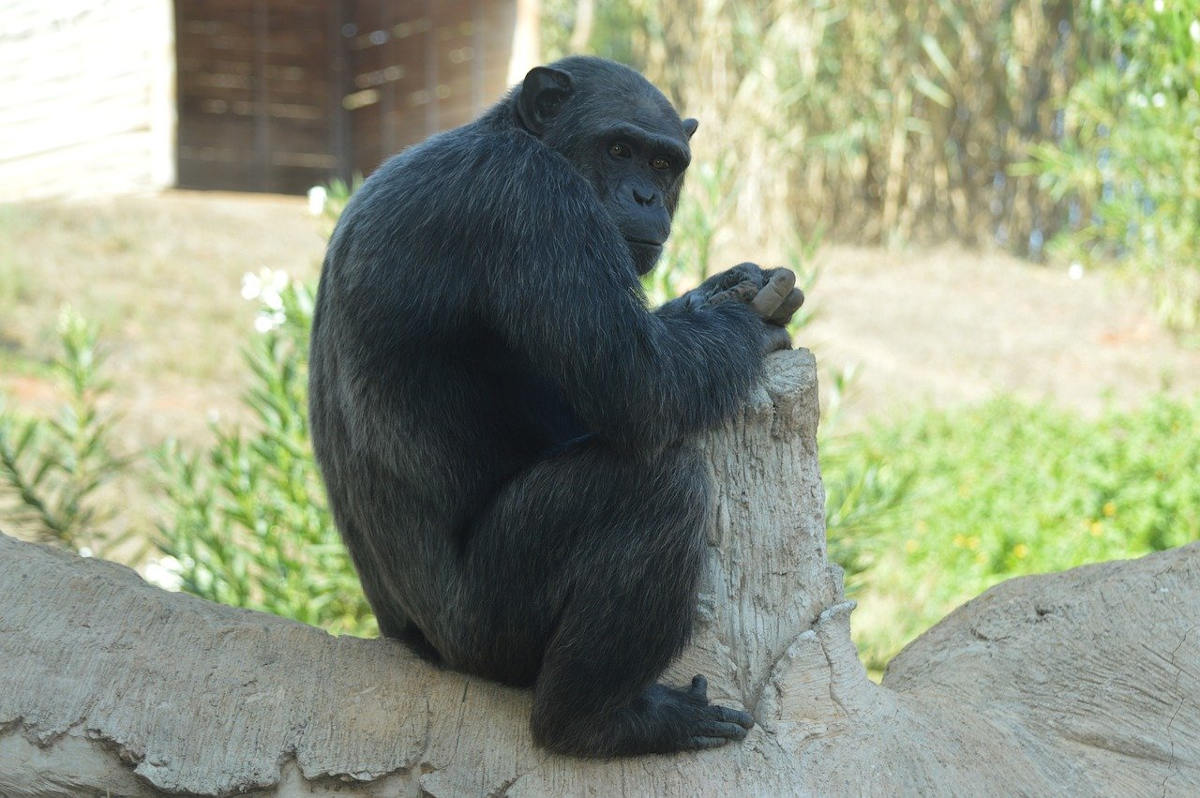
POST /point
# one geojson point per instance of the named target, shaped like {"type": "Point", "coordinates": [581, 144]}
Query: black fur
{"type": "Point", "coordinates": [502, 424]}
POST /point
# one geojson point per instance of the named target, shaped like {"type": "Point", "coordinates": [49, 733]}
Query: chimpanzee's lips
{"type": "Point", "coordinates": [641, 242]}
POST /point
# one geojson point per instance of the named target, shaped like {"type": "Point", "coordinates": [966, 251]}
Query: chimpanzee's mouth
{"type": "Point", "coordinates": [641, 242]}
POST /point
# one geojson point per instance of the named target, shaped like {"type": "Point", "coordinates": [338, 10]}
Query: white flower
{"type": "Point", "coordinates": [267, 287]}
{"type": "Point", "coordinates": [164, 573]}
{"type": "Point", "coordinates": [268, 319]}
{"type": "Point", "coordinates": [274, 281]}
{"type": "Point", "coordinates": [251, 286]}
{"type": "Point", "coordinates": [264, 285]}
{"type": "Point", "coordinates": [316, 200]}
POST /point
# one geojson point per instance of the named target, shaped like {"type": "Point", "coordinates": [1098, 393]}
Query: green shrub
{"type": "Point", "coordinates": [1006, 489]}
{"type": "Point", "coordinates": [52, 469]}
{"type": "Point", "coordinates": [863, 493]}
{"type": "Point", "coordinates": [247, 522]}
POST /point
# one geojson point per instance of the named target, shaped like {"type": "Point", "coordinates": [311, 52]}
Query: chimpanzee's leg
{"type": "Point", "coordinates": [583, 576]}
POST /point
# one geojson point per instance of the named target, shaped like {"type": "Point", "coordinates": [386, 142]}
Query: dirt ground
{"type": "Point", "coordinates": [949, 326]}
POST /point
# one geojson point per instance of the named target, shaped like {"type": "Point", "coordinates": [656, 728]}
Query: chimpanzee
{"type": "Point", "coordinates": [503, 425]}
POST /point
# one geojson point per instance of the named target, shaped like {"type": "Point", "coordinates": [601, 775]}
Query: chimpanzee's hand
{"type": "Point", "coordinates": [739, 284]}
{"type": "Point", "coordinates": [772, 294]}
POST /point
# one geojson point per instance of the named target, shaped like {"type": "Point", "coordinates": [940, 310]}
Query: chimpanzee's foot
{"type": "Point", "coordinates": [659, 721]}
{"type": "Point", "coordinates": [701, 724]}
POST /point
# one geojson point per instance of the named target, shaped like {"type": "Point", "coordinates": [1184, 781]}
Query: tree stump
{"type": "Point", "coordinates": [1080, 683]}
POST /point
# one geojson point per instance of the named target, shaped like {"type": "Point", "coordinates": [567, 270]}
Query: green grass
{"type": "Point", "coordinates": [1004, 489]}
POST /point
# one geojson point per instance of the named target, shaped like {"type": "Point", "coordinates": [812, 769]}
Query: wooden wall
{"type": "Point", "coordinates": [86, 97]}
{"type": "Point", "coordinates": [420, 66]}
{"type": "Point", "coordinates": [279, 95]}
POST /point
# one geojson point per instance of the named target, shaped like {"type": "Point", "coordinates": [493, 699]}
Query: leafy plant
{"type": "Point", "coordinates": [247, 521]}
{"type": "Point", "coordinates": [51, 470]}
{"type": "Point", "coordinates": [863, 493]}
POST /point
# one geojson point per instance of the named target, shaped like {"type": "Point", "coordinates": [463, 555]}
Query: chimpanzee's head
{"type": "Point", "coordinates": [622, 134]}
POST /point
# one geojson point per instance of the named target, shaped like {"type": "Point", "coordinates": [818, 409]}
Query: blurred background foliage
{"type": "Point", "coordinates": [1015, 124]}
{"type": "Point", "coordinates": [1127, 160]}
{"type": "Point", "coordinates": [245, 520]}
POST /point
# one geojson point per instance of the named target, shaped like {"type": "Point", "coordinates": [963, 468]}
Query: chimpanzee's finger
{"type": "Point", "coordinates": [788, 307]}
{"type": "Point", "coordinates": [747, 271]}
{"type": "Point", "coordinates": [773, 294]}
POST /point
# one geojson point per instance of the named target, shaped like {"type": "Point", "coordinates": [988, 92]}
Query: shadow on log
{"type": "Point", "coordinates": [1080, 683]}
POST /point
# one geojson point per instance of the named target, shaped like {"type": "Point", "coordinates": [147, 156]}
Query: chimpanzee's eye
{"type": "Point", "coordinates": [619, 149]}
{"type": "Point", "coordinates": [662, 164]}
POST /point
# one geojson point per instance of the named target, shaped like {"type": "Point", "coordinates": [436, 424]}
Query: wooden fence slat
{"type": "Point", "coordinates": [280, 94]}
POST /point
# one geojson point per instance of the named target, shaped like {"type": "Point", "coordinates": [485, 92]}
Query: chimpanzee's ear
{"type": "Point", "coordinates": [542, 94]}
{"type": "Point", "coordinates": [690, 125]}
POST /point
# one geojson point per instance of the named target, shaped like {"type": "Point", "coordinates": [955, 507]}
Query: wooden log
{"type": "Point", "coordinates": [1081, 683]}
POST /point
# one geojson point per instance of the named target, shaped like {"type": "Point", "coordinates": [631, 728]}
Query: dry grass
{"type": "Point", "coordinates": [875, 122]}
{"type": "Point", "coordinates": [162, 277]}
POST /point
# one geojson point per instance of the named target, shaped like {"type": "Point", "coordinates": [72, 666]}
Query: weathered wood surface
{"type": "Point", "coordinates": [1081, 683]}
